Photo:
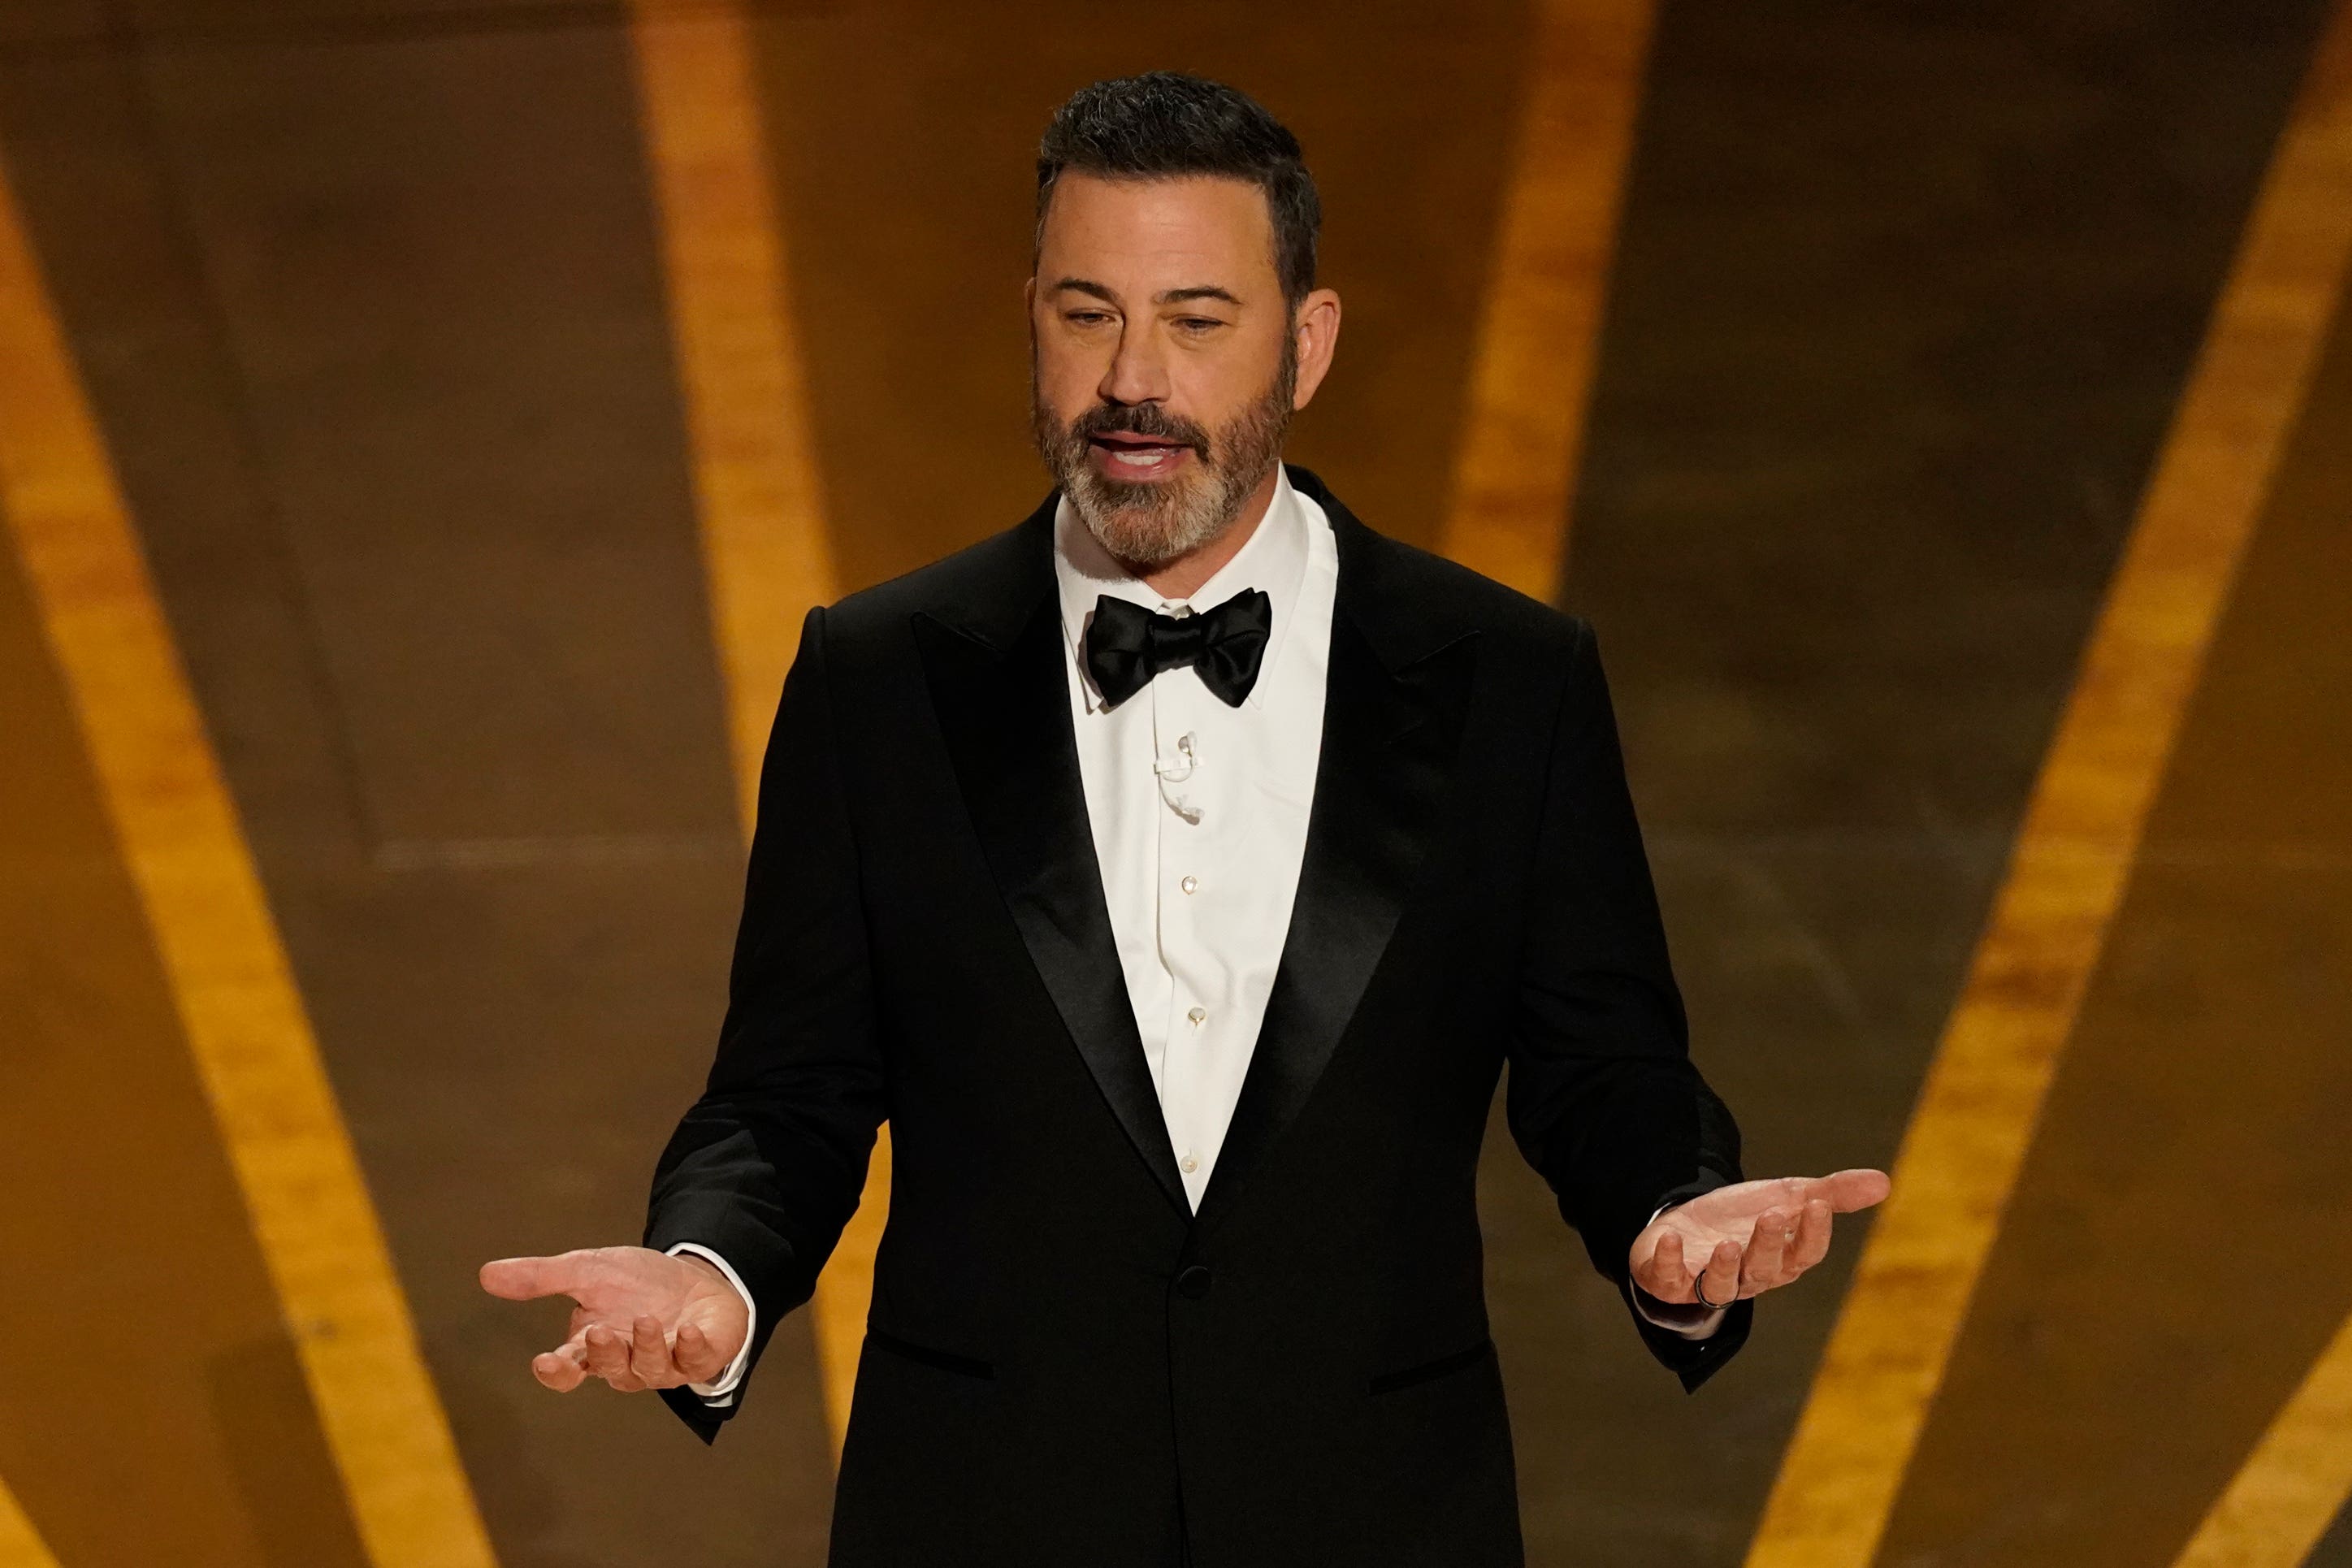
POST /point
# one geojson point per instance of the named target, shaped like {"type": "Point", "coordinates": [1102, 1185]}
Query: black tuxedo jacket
{"type": "Point", "coordinates": [1064, 1366]}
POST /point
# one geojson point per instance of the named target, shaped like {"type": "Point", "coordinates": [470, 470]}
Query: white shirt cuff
{"type": "Point", "coordinates": [1689, 1327]}
{"type": "Point", "coordinates": [720, 1392]}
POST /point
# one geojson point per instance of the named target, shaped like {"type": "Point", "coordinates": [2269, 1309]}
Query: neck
{"type": "Point", "coordinates": [1182, 577]}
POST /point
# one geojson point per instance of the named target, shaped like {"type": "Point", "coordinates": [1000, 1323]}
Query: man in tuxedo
{"type": "Point", "coordinates": [1176, 871]}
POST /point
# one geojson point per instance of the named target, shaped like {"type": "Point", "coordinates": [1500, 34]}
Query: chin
{"type": "Point", "coordinates": [1149, 523]}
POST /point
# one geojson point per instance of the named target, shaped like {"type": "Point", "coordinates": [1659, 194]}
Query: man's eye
{"type": "Point", "coordinates": [1087, 318]}
{"type": "Point", "coordinates": [1198, 323]}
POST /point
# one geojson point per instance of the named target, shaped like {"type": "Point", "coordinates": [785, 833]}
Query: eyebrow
{"type": "Point", "coordinates": [1165, 295]}
{"type": "Point", "coordinates": [1197, 291]}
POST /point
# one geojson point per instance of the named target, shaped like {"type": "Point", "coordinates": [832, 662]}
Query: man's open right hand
{"type": "Point", "coordinates": [640, 1319]}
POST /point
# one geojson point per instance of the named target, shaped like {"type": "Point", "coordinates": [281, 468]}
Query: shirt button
{"type": "Point", "coordinates": [1188, 1164]}
{"type": "Point", "coordinates": [1199, 1016]}
{"type": "Point", "coordinates": [1191, 884]}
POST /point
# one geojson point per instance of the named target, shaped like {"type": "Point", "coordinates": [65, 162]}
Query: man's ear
{"type": "Point", "coordinates": [1315, 327]}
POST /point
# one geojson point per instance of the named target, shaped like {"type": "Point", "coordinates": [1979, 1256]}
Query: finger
{"type": "Point", "coordinates": [1848, 1191]}
{"type": "Point", "coordinates": [529, 1278]}
{"type": "Point", "coordinates": [1668, 1276]}
{"type": "Point", "coordinates": [515, 1278]}
{"type": "Point", "coordinates": [564, 1368]}
{"type": "Point", "coordinates": [649, 1353]}
{"type": "Point", "coordinates": [697, 1359]}
{"type": "Point", "coordinates": [608, 1357]}
{"type": "Point", "coordinates": [1762, 1266]}
{"type": "Point", "coordinates": [1721, 1277]}
{"type": "Point", "coordinates": [1812, 1236]}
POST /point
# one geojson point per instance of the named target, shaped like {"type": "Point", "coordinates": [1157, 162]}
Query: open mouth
{"type": "Point", "coordinates": [1132, 456]}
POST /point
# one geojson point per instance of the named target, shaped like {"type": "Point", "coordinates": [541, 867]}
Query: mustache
{"type": "Point", "coordinates": [1139, 419]}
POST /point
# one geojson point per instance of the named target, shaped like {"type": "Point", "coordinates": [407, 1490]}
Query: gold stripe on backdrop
{"type": "Point", "coordinates": [765, 547]}
{"type": "Point", "coordinates": [2068, 868]}
{"type": "Point", "coordinates": [2294, 1483]}
{"type": "Point", "coordinates": [20, 1543]}
{"type": "Point", "coordinates": [211, 924]}
{"type": "Point", "coordinates": [1540, 327]}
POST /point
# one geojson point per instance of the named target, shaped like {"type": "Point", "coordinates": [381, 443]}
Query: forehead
{"type": "Point", "coordinates": [1193, 229]}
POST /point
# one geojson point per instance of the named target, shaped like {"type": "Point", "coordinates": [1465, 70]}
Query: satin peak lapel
{"type": "Point", "coordinates": [1390, 736]}
{"type": "Point", "coordinates": [1006, 715]}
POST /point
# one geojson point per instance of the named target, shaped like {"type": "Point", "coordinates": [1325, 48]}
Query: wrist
{"type": "Point", "coordinates": [710, 1270]}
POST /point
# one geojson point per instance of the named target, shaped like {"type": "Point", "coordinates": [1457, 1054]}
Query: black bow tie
{"type": "Point", "coordinates": [1128, 645]}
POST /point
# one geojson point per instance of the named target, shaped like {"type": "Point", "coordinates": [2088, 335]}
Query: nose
{"type": "Point", "coordinates": [1138, 371]}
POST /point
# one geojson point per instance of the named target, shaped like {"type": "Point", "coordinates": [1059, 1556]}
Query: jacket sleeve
{"type": "Point", "coordinates": [1603, 1100]}
{"type": "Point", "coordinates": [767, 1165]}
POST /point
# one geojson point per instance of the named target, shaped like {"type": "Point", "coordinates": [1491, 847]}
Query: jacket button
{"type": "Point", "coordinates": [1194, 1282]}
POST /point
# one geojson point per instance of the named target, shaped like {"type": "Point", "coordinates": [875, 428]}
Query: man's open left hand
{"type": "Point", "coordinates": [1746, 1238]}
{"type": "Point", "coordinates": [640, 1319]}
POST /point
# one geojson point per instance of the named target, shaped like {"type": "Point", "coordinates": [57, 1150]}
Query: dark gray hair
{"type": "Point", "coordinates": [1166, 125]}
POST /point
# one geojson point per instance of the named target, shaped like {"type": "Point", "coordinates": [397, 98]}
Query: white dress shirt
{"type": "Point", "coordinates": [1199, 810]}
{"type": "Point", "coordinates": [1198, 814]}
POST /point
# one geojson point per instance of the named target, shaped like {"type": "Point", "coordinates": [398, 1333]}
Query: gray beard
{"type": "Point", "coordinates": [1148, 525]}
